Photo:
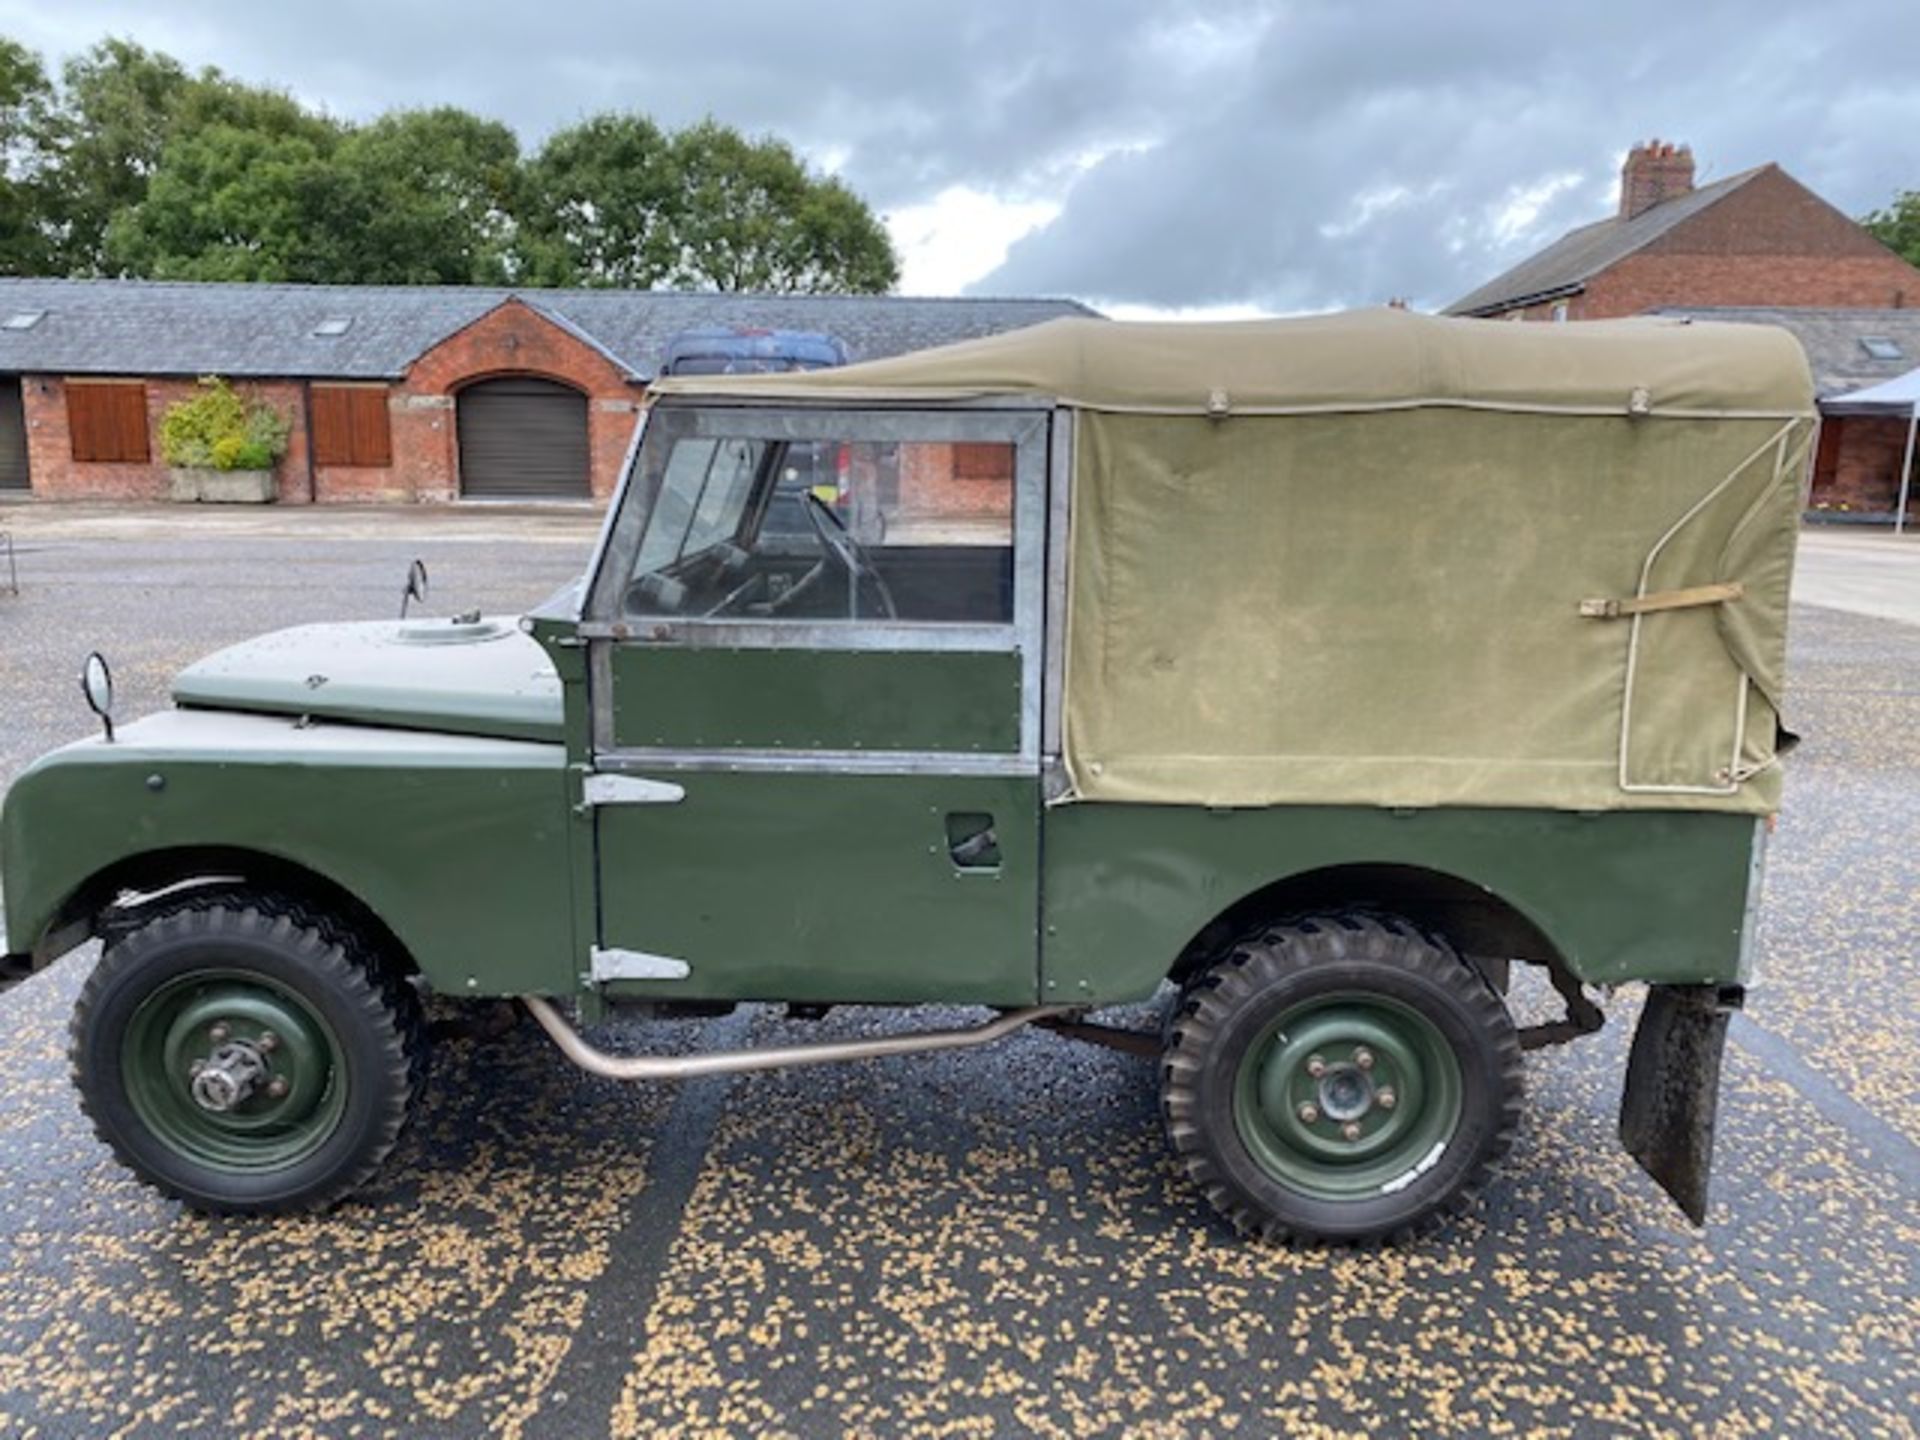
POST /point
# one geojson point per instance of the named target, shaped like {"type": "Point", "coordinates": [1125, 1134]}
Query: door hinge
{"type": "Point", "coordinates": [629, 790]}
{"type": "Point", "coordinates": [607, 964]}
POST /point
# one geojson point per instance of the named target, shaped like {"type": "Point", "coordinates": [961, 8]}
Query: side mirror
{"type": "Point", "coordinates": [416, 586]}
{"type": "Point", "coordinates": [96, 683]}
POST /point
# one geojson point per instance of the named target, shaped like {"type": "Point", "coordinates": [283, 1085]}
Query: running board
{"type": "Point", "coordinates": [780, 1057]}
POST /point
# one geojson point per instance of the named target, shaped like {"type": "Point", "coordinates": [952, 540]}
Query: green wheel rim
{"type": "Point", "coordinates": [293, 1104]}
{"type": "Point", "coordinates": [1348, 1096]}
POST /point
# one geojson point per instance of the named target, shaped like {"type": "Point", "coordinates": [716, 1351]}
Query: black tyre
{"type": "Point", "coordinates": [246, 1056]}
{"type": "Point", "coordinates": [1341, 1078]}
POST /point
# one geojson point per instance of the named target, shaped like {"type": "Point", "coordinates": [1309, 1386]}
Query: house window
{"type": "Point", "coordinates": [351, 425]}
{"type": "Point", "coordinates": [107, 421]}
{"type": "Point", "coordinates": [1560, 313]}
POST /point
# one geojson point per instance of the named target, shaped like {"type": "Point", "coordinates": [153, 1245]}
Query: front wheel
{"type": "Point", "coordinates": [1340, 1078]}
{"type": "Point", "coordinates": [246, 1056]}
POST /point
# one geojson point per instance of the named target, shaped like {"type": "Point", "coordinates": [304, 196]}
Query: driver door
{"type": "Point", "coordinates": [815, 642]}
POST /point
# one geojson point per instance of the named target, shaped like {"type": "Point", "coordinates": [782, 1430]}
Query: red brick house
{"type": "Point", "coordinates": [393, 393]}
{"type": "Point", "coordinates": [1757, 238]}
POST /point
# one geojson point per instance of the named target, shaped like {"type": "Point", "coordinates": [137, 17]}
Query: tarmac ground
{"type": "Point", "coordinates": [987, 1243]}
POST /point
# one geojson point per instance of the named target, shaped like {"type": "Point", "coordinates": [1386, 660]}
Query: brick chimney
{"type": "Point", "coordinates": [1654, 172]}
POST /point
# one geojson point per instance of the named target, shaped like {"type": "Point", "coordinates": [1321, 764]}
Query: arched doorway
{"type": "Point", "coordinates": [522, 438]}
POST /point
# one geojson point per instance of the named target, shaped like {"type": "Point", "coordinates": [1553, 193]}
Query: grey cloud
{"type": "Point", "coordinates": [1289, 155]}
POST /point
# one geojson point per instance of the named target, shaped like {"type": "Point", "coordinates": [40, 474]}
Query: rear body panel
{"type": "Point", "coordinates": [1621, 895]}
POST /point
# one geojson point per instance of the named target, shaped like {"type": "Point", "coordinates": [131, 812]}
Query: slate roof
{"type": "Point", "coordinates": [1831, 338]}
{"type": "Point", "coordinates": [140, 327]}
{"type": "Point", "coordinates": [1576, 257]}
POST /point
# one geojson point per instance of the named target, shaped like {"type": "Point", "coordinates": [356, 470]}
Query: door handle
{"type": "Point", "coordinates": [972, 842]}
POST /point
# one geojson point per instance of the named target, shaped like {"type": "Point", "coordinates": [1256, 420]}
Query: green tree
{"type": "Point", "coordinates": [1898, 226]}
{"type": "Point", "coordinates": [614, 201]}
{"type": "Point", "coordinates": [598, 204]}
{"type": "Point", "coordinates": [227, 203]}
{"type": "Point", "coordinates": [117, 106]}
{"type": "Point", "coordinates": [26, 100]}
{"type": "Point", "coordinates": [267, 192]}
{"type": "Point", "coordinates": [431, 196]}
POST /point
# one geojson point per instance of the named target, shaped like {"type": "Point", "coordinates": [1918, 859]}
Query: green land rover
{"type": "Point", "coordinates": [1322, 671]}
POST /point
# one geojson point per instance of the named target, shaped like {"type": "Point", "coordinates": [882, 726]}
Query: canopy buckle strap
{"type": "Point", "coordinates": [1718, 594]}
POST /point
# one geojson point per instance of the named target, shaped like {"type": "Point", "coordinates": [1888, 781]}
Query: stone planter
{"type": "Point", "coordinates": [221, 487]}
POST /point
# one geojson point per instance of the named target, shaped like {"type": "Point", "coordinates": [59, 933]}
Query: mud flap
{"type": "Point", "coordinates": [1672, 1094]}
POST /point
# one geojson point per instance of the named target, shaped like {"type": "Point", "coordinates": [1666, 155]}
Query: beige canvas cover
{"type": "Point", "coordinates": [1400, 560]}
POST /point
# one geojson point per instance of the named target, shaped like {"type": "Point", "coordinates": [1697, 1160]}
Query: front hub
{"type": "Point", "coordinates": [233, 1070]}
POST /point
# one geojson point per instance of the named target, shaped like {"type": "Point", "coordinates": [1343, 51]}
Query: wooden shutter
{"type": "Point", "coordinates": [982, 460]}
{"type": "Point", "coordinates": [351, 425]}
{"type": "Point", "coordinates": [107, 420]}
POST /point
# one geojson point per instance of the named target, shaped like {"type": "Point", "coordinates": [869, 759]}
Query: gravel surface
{"type": "Point", "coordinates": [984, 1243]}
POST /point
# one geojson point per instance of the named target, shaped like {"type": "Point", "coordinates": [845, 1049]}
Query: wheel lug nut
{"type": "Point", "coordinates": [268, 1040]}
{"type": "Point", "coordinates": [219, 1031]}
{"type": "Point", "coordinates": [1363, 1057]}
{"type": "Point", "coordinates": [1351, 1129]}
{"type": "Point", "coordinates": [276, 1087]}
{"type": "Point", "coordinates": [1316, 1067]}
{"type": "Point", "coordinates": [1310, 1113]}
{"type": "Point", "coordinates": [196, 1067]}
{"type": "Point", "coordinates": [1386, 1099]}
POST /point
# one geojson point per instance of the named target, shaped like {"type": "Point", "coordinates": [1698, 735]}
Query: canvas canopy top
{"type": "Point", "coordinates": [1367, 358]}
{"type": "Point", "coordinates": [1391, 559]}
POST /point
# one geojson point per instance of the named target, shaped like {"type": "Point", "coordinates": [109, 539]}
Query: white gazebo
{"type": "Point", "coordinates": [1896, 397]}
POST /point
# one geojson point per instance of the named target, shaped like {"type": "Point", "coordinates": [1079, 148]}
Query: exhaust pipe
{"type": "Point", "coordinates": [779, 1057]}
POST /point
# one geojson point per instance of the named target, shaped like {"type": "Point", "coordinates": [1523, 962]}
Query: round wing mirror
{"type": "Point", "coordinates": [416, 586]}
{"type": "Point", "coordinates": [96, 683]}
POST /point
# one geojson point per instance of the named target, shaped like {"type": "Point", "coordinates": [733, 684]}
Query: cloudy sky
{"type": "Point", "coordinates": [1145, 155]}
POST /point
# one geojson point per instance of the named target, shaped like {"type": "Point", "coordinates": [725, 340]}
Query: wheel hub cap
{"type": "Point", "coordinates": [1345, 1093]}
{"type": "Point", "coordinates": [227, 1076]}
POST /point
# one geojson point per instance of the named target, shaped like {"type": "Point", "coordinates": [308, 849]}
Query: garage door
{"type": "Point", "coordinates": [13, 436]}
{"type": "Point", "coordinates": [522, 439]}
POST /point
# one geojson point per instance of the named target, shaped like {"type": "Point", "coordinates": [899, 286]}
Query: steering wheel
{"type": "Point", "coordinates": [845, 551]}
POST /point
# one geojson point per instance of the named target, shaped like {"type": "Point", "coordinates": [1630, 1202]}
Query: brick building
{"type": "Point", "coordinates": [1759, 238]}
{"type": "Point", "coordinates": [393, 394]}
{"type": "Point", "coordinates": [1756, 248]}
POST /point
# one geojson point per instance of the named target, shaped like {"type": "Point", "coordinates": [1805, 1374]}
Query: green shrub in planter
{"type": "Point", "coordinates": [218, 430]}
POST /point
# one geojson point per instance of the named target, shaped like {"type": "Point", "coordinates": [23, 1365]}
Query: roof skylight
{"type": "Point", "coordinates": [23, 320]}
{"type": "Point", "coordinates": [333, 325]}
{"type": "Point", "coordinates": [1882, 347]}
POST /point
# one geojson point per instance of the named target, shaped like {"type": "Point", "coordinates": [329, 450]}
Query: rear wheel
{"type": "Point", "coordinates": [1340, 1078]}
{"type": "Point", "coordinates": [245, 1056]}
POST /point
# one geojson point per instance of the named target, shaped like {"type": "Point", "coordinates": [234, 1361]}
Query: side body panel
{"type": "Point", "coordinates": [821, 887]}
{"type": "Point", "coordinates": [460, 845]}
{"type": "Point", "coordinates": [1621, 895]}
